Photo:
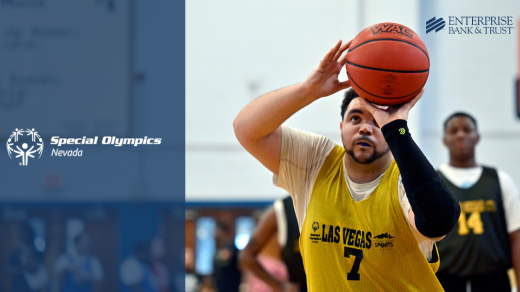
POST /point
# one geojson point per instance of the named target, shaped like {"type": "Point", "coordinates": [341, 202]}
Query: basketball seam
{"type": "Point", "coordinates": [393, 40]}
{"type": "Point", "coordinates": [350, 78]}
{"type": "Point", "coordinates": [387, 70]}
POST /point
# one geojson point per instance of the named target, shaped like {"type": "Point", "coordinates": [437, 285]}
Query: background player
{"type": "Point", "coordinates": [477, 254]}
{"type": "Point", "coordinates": [279, 220]}
{"type": "Point", "coordinates": [226, 273]}
{"type": "Point", "coordinates": [337, 229]}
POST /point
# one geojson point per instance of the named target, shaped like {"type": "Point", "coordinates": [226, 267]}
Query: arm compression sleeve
{"type": "Point", "coordinates": [435, 207]}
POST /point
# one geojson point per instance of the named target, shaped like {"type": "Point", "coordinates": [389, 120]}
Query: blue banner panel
{"type": "Point", "coordinates": [92, 99]}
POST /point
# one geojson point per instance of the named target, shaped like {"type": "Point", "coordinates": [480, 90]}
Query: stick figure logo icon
{"type": "Point", "coordinates": [24, 146]}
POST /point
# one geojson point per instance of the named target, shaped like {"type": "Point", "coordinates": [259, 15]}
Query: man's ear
{"type": "Point", "coordinates": [444, 140]}
{"type": "Point", "coordinates": [341, 125]}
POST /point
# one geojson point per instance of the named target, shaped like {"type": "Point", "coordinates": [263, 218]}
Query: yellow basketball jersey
{"type": "Point", "coordinates": [361, 246]}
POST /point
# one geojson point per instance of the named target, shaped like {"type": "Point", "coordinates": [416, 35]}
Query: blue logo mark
{"type": "Point", "coordinates": [435, 24]}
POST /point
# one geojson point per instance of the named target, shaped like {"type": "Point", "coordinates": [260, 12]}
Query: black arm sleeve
{"type": "Point", "coordinates": [435, 207]}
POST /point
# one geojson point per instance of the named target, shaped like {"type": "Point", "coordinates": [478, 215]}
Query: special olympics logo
{"type": "Point", "coordinates": [24, 148]}
{"type": "Point", "coordinates": [315, 226]}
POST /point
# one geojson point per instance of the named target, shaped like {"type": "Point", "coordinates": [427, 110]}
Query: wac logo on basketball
{"type": "Point", "coordinates": [391, 28]}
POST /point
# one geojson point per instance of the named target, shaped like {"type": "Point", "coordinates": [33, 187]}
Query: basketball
{"type": "Point", "coordinates": [387, 63]}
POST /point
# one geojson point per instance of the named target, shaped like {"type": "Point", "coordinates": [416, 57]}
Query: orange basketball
{"type": "Point", "coordinates": [388, 63]}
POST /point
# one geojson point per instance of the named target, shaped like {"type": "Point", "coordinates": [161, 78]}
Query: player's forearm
{"type": "Point", "coordinates": [435, 207]}
{"type": "Point", "coordinates": [249, 262]}
{"type": "Point", "coordinates": [265, 114]}
{"type": "Point", "coordinates": [514, 239]}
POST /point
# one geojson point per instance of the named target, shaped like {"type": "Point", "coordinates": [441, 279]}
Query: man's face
{"type": "Point", "coordinates": [460, 136]}
{"type": "Point", "coordinates": [361, 135]}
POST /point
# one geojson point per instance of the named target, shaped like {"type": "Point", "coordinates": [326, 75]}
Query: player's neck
{"type": "Point", "coordinates": [466, 162]}
{"type": "Point", "coordinates": [365, 173]}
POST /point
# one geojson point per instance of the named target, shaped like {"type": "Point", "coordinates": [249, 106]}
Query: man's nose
{"type": "Point", "coordinates": [366, 128]}
{"type": "Point", "coordinates": [460, 134]}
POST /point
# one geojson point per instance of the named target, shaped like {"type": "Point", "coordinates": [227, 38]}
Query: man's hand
{"type": "Point", "coordinates": [323, 81]}
{"type": "Point", "coordinates": [399, 112]}
{"type": "Point", "coordinates": [257, 126]}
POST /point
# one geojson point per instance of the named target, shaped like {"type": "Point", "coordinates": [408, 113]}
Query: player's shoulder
{"type": "Point", "coordinates": [502, 175]}
{"type": "Point", "coordinates": [506, 182]}
{"type": "Point", "coordinates": [443, 168]}
{"type": "Point", "coordinates": [504, 178]}
{"type": "Point", "coordinates": [303, 135]}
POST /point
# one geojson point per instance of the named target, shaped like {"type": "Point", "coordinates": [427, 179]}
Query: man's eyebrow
{"type": "Point", "coordinates": [354, 111]}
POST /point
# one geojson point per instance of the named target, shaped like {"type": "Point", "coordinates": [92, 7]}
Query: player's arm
{"type": "Point", "coordinates": [514, 238]}
{"type": "Point", "coordinates": [257, 126]}
{"type": "Point", "coordinates": [435, 208]}
{"type": "Point", "coordinates": [266, 229]}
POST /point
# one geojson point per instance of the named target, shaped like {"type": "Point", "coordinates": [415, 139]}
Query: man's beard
{"type": "Point", "coordinates": [373, 157]}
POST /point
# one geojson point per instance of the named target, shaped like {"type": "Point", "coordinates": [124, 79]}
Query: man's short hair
{"type": "Point", "coordinates": [350, 94]}
{"type": "Point", "coordinates": [460, 114]}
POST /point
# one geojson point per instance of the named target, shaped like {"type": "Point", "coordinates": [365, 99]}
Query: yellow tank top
{"type": "Point", "coordinates": [361, 246]}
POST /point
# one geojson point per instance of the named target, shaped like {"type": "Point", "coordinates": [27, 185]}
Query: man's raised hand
{"type": "Point", "coordinates": [323, 81]}
{"type": "Point", "coordinates": [399, 112]}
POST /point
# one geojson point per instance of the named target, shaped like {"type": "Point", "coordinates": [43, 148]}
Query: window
{"type": "Point", "coordinates": [205, 245]}
{"type": "Point", "coordinates": [244, 227]}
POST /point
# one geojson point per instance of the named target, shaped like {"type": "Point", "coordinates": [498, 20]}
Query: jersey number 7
{"type": "Point", "coordinates": [358, 253]}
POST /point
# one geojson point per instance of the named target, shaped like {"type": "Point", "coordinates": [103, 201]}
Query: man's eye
{"type": "Point", "coordinates": [354, 119]}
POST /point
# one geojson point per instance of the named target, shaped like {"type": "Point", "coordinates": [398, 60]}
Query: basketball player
{"type": "Point", "coordinates": [226, 272]}
{"type": "Point", "coordinates": [369, 212]}
{"type": "Point", "coordinates": [477, 254]}
{"type": "Point", "coordinates": [279, 219]}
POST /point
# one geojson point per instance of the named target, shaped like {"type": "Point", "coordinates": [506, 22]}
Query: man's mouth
{"type": "Point", "coordinates": [363, 144]}
{"type": "Point", "coordinates": [461, 144]}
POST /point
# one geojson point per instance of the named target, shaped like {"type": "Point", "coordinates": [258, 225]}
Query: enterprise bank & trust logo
{"type": "Point", "coordinates": [473, 24]}
{"type": "Point", "coordinates": [18, 145]}
{"type": "Point", "coordinates": [435, 24]}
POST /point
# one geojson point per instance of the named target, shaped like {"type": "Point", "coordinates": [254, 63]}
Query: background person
{"type": "Point", "coordinates": [25, 266]}
{"type": "Point", "coordinates": [280, 221]}
{"type": "Point", "coordinates": [79, 271]}
{"type": "Point", "coordinates": [226, 274]}
{"type": "Point", "coordinates": [477, 253]}
{"type": "Point", "coordinates": [135, 272]}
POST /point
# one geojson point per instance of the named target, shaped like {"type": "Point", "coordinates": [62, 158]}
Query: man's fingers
{"type": "Point", "coordinates": [329, 57]}
{"type": "Point", "coordinates": [342, 49]}
{"type": "Point", "coordinates": [368, 105]}
{"type": "Point", "coordinates": [343, 60]}
{"type": "Point", "coordinates": [324, 61]}
{"type": "Point", "coordinates": [335, 51]}
{"type": "Point", "coordinates": [344, 84]}
{"type": "Point", "coordinates": [416, 98]}
{"type": "Point", "coordinates": [335, 54]}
